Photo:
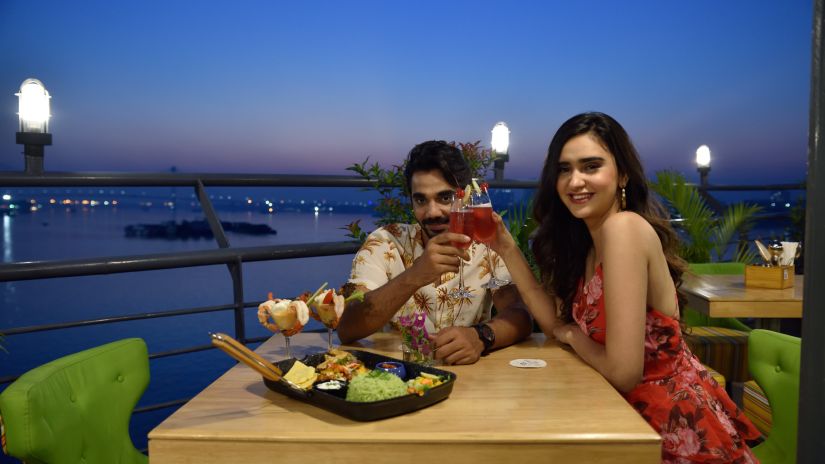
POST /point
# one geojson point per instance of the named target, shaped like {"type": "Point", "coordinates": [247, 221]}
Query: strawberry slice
{"type": "Point", "coordinates": [328, 296]}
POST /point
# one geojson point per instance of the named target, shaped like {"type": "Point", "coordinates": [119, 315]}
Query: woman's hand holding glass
{"type": "Point", "coordinates": [502, 242]}
{"type": "Point", "coordinates": [485, 229]}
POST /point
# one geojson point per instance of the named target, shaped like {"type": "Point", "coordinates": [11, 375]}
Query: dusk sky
{"type": "Point", "coordinates": [313, 86]}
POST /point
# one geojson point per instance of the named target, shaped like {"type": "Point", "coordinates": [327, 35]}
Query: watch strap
{"type": "Point", "coordinates": [486, 335]}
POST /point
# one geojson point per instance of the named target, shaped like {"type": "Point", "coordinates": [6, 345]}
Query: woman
{"type": "Point", "coordinates": [609, 267]}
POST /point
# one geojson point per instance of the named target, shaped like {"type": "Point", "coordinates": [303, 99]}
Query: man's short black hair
{"type": "Point", "coordinates": [440, 155]}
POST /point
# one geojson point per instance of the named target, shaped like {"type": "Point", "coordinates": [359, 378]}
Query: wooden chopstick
{"type": "Point", "coordinates": [241, 347]}
{"type": "Point", "coordinates": [243, 354]}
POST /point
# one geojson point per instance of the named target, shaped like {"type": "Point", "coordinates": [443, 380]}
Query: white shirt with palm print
{"type": "Point", "coordinates": [390, 250]}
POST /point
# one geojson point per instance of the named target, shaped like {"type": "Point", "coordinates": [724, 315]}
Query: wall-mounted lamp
{"type": "Point", "coordinates": [501, 146]}
{"type": "Point", "coordinates": [34, 123]}
{"type": "Point", "coordinates": [703, 164]}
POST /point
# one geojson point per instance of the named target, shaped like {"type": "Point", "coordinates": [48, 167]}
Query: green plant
{"type": "Point", "coordinates": [355, 231]}
{"type": "Point", "coordinates": [707, 236]}
{"type": "Point", "coordinates": [478, 158]}
{"type": "Point", "coordinates": [393, 204]}
{"type": "Point", "coordinates": [521, 226]}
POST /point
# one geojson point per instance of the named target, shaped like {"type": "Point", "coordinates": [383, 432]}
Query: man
{"type": "Point", "coordinates": [408, 269]}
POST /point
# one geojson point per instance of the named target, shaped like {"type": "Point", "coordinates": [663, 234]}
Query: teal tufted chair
{"type": "Point", "coordinates": [76, 409]}
{"type": "Point", "coordinates": [774, 364]}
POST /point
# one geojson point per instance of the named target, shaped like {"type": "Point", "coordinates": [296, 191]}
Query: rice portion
{"type": "Point", "coordinates": [375, 386]}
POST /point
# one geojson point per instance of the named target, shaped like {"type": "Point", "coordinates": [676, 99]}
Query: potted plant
{"type": "Point", "coordinates": [706, 236]}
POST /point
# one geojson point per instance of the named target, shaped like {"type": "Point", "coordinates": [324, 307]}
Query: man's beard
{"type": "Point", "coordinates": [433, 222]}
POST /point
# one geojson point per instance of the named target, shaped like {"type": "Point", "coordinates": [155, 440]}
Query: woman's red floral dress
{"type": "Point", "coordinates": [697, 420]}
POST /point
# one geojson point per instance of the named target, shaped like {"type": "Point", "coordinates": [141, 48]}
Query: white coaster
{"type": "Point", "coordinates": [528, 363]}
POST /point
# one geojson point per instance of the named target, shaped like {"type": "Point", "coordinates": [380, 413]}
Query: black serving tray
{"type": "Point", "coordinates": [335, 401]}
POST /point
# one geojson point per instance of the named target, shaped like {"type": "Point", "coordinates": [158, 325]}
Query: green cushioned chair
{"type": "Point", "coordinates": [774, 364]}
{"type": "Point", "coordinates": [720, 343]}
{"type": "Point", "coordinates": [76, 409]}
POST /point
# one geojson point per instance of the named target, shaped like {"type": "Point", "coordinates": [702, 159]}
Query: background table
{"type": "Point", "coordinates": [496, 413]}
{"type": "Point", "coordinates": [727, 296]}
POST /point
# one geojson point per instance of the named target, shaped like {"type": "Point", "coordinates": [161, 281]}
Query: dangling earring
{"type": "Point", "coordinates": [624, 200]}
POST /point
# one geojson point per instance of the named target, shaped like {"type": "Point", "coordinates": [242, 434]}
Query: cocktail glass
{"type": "Point", "coordinates": [288, 333]}
{"type": "Point", "coordinates": [484, 230]}
{"type": "Point", "coordinates": [288, 316]}
{"type": "Point", "coordinates": [461, 222]}
{"type": "Point", "coordinates": [329, 317]}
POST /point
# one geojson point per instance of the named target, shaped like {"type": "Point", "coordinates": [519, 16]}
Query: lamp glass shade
{"type": "Point", "coordinates": [34, 106]}
{"type": "Point", "coordinates": [703, 156]}
{"type": "Point", "coordinates": [501, 138]}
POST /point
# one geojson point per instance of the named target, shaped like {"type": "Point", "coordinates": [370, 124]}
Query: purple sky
{"type": "Point", "coordinates": [311, 87]}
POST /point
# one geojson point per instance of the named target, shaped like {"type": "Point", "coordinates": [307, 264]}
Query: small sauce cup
{"type": "Point", "coordinates": [392, 367]}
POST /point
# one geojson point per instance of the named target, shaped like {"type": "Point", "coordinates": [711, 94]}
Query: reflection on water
{"type": "Point", "coordinates": [7, 243]}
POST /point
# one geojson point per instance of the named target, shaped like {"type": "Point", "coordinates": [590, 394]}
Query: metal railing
{"type": "Point", "coordinates": [232, 257]}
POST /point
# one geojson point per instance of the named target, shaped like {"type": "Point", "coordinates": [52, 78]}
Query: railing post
{"type": "Point", "coordinates": [236, 270]}
{"type": "Point", "coordinates": [211, 215]}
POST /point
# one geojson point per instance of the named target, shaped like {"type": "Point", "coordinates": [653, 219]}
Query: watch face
{"type": "Point", "coordinates": [488, 337]}
{"type": "Point", "coordinates": [488, 332]}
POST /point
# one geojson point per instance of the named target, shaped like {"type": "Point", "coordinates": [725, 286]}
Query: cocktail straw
{"type": "Point", "coordinates": [317, 292]}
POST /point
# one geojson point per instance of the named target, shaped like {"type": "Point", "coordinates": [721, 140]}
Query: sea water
{"type": "Point", "coordinates": [76, 233]}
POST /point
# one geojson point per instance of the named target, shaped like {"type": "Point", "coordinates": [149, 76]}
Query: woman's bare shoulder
{"type": "Point", "coordinates": [627, 221]}
{"type": "Point", "coordinates": [627, 228]}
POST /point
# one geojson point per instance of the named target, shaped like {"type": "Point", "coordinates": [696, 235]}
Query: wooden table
{"type": "Point", "coordinates": [496, 413]}
{"type": "Point", "coordinates": [727, 296]}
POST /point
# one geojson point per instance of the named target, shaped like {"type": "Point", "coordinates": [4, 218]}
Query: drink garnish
{"type": "Point", "coordinates": [466, 199]}
{"type": "Point", "coordinates": [317, 292]}
{"type": "Point", "coordinates": [357, 295]}
{"type": "Point", "coordinates": [476, 187]}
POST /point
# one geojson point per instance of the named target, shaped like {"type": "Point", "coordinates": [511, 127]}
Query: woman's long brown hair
{"type": "Point", "coordinates": [562, 241]}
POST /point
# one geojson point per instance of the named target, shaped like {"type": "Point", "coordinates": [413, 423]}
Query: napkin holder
{"type": "Point", "coordinates": [775, 277]}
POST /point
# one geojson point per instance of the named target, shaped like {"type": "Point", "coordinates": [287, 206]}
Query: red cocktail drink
{"type": "Point", "coordinates": [461, 222]}
{"type": "Point", "coordinates": [484, 229]}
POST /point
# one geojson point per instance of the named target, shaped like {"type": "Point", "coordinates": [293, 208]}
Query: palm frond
{"type": "Point", "coordinates": [737, 218]}
{"type": "Point", "coordinates": [695, 214]}
{"type": "Point", "coordinates": [706, 236]}
{"type": "Point", "coordinates": [521, 226]}
{"type": "Point", "coordinates": [746, 254]}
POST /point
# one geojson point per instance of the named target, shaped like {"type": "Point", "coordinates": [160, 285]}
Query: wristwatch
{"type": "Point", "coordinates": [486, 335]}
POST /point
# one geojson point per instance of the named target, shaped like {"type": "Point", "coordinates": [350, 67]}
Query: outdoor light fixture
{"type": "Point", "coordinates": [703, 163]}
{"type": "Point", "coordinates": [34, 123]}
{"type": "Point", "coordinates": [501, 145]}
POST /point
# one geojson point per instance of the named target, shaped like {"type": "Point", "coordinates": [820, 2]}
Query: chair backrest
{"type": "Point", "coordinates": [717, 268]}
{"type": "Point", "coordinates": [774, 360]}
{"type": "Point", "coordinates": [77, 408]}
